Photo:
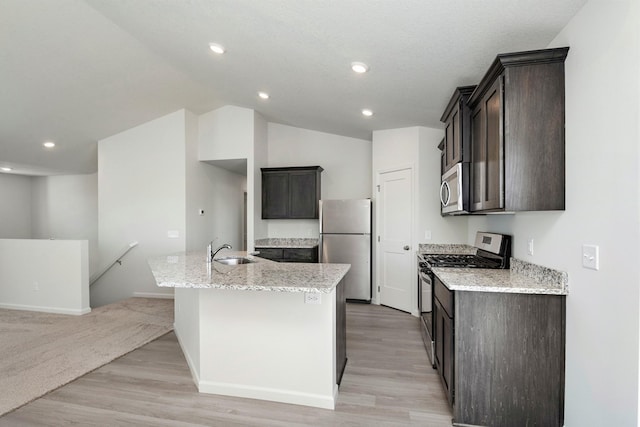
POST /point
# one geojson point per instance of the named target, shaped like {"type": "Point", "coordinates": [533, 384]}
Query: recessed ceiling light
{"type": "Point", "coordinates": [367, 112]}
{"type": "Point", "coordinates": [263, 95]}
{"type": "Point", "coordinates": [6, 169]}
{"type": "Point", "coordinates": [216, 48]}
{"type": "Point", "coordinates": [359, 67]}
{"type": "Point", "coordinates": [49, 144]}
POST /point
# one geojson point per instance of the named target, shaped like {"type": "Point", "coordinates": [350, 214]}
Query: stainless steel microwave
{"type": "Point", "coordinates": [454, 190]}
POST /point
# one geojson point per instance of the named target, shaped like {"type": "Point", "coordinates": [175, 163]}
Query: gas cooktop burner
{"type": "Point", "coordinates": [492, 251]}
{"type": "Point", "coordinates": [460, 261]}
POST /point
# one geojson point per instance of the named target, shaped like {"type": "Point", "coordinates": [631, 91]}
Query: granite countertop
{"type": "Point", "coordinates": [286, 242]}
{"type": "Point", "coordinates": [190, 270]}
{"type": "Point", "coordinates": [522, 278]}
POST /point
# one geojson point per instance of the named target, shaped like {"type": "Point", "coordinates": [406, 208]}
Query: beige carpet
{"type": "Point", "coordinates": [39, 352]}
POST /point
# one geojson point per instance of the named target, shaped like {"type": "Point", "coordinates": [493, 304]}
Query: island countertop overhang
{"type": "Point", "coordinates": [190, 270]}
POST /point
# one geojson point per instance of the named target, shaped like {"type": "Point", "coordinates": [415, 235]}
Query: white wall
{"type": "Point", "coordinates": [232, 132]}
{"type": "Point", "coordinates": [450, 230]}
{"type": "Point", "coordinates": [44, 275]}
{"type": "Point", "coordinates": [602, 208]}
{"type": "Point", "coordinates": [225, 191]}
{"type": "Point", "coordinates": [66, 207]}
{"type": "Point", "coordinates": [198, 228]}
{"type": "Point", "coordinates": [141, 181]}
{"type": "Point", "coordinates": [417, 147]}
{"type": "Point", "coordinates": [226, 133]}
{"type": "Point", "coordinates": [257, 227]}
{"type": "Point", "coordinates": [15, 208]}
{"type": "Point", "coordinates": [216, 191]}
{"type": "Point", "coordinates": [346, 163]}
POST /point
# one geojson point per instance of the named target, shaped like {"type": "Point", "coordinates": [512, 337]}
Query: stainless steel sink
{"type": "Point", "coordinates": [234, 260]}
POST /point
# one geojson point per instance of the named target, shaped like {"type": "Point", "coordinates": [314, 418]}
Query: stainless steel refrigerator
{"type": "Point", "coordinates": [345, 237]}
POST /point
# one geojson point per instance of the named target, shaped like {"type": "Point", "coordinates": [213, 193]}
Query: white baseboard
{"type": "Point", "coordinates": [152, 295]}
{"type": "Point", "coordinates": [56, 310]}
{"type": "Point", "coordinates": [187, 356]}
{"type": "Point", "coordinates": [274, 395]}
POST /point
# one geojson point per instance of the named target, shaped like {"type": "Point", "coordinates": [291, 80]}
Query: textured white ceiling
{"type": "Point", "coordinates": [78, 71]}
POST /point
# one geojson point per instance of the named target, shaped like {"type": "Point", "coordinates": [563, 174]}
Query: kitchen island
{"type": "Point", "coordinates": [263, 330]}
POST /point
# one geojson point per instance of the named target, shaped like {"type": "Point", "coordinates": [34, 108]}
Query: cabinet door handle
{"type": "Point", "coordinates": [406, 247]}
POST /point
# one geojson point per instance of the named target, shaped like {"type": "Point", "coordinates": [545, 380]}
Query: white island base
{"type": "Point", "coordinates": [262, 345]}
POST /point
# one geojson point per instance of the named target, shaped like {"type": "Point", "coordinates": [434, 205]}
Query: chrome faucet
{"type": "Point", "coordinates": [212, 253]}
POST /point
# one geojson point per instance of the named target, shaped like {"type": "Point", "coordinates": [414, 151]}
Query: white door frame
{"type": "Point", "coordinates": [377, 257]}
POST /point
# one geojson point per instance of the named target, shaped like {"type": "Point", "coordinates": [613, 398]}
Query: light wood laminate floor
{"type": "Point", "coordinates": [387, 382]}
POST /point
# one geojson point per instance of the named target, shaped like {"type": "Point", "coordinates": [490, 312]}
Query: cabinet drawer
{"type": "Point", "coordinates": [274, 254]}
{"type": "Point", "coordinates": [444, 295]}
{"type": "Point", "coordinates": [301, 254]}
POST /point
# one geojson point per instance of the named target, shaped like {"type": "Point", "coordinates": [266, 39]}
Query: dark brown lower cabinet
{"type": "Point", "coordinates": [341, 331]}
{"type": "Point", "coordinates": [508, 357]}
{"type": "Point", "coordinates": [443, 325]}
{"type": "Point", "coordinates": [289, 254]}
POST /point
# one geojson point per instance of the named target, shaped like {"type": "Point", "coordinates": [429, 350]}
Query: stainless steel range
{"type": "Point", "coordinates": [491, 251]}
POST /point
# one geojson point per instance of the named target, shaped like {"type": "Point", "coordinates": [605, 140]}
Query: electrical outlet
{"type": "Point", "coordinates": [173, 234]}
{"type": "Point", "coordinates": [312, 298]}
{"type": "Point", "coordinates": [36, 286]}
{"type": "Point", "coordinates": [427, 235]}
{"type": "Point", "coordinates": [591, 257]}
{"type": "Point", "coordinates": [530, 247]}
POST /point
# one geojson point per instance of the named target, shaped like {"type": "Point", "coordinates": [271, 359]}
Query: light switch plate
{"type": "Point", "coordinates": [530, 247]}
{"type": "Point", "coordinates": [591, 257]}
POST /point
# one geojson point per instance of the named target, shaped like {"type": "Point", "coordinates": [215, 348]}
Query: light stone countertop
{"type": "Point", "coordinates": [522, 278]}
{"type": "Point", "coordinates": [286, 242]}
{"type": "Point", "coordinates": [190, 270]}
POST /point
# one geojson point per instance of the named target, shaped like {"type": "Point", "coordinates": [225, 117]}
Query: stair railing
{"type": "Point", "coordinates": [118, 259]}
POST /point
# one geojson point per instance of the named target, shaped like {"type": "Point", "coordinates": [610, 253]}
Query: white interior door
{"type": "Point", "coordinates": [395, 210]}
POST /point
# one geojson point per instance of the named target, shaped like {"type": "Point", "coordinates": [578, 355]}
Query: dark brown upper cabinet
{"type": "Point", "coordinates": [457, 132]}
{"type": "Point", "coordinates": [517, 134]}
{"type": "Point", "coordinates": [291, 192]}
{"type": "Point", "coordinates": [487, 167]}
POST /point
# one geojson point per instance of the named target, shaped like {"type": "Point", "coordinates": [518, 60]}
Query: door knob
{"type": "Point", "coordinates": [406, 247]}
